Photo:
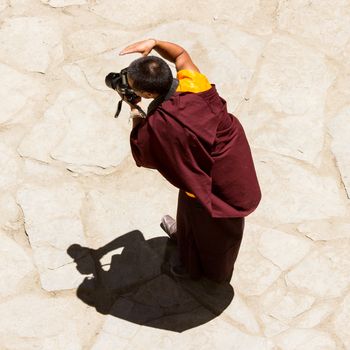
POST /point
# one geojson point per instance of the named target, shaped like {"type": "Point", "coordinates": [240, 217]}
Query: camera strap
{"type": "Point", "coordinates": [119, 108]}
{"type": "Point", "coordinates": [160, 99]}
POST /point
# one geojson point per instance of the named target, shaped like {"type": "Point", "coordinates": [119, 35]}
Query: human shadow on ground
{"type": "Point", "coordinates": [137, 286]}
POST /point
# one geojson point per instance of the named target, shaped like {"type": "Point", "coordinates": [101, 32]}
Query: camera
{"type": "Point", "coordinates": [119, 83]}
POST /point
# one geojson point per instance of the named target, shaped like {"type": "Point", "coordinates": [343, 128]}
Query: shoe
{"type": "Point", "coordinates": [168, 224]}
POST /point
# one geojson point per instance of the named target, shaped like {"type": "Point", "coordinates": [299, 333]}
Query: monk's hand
{"type": "Point", "coordinates": [135, 100]}
{"type": "Point", "coordinates": [143, 47]}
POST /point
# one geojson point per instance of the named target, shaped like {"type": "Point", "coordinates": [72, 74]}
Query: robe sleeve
{"type": "Point", "coordinates": [162, 143]}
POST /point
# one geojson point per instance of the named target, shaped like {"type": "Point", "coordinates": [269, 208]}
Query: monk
{"type": "Point", "coordinates": [199, 147]}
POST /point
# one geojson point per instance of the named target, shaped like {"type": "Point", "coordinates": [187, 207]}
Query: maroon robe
{"type": "Point", "coordinates": [200, 148]}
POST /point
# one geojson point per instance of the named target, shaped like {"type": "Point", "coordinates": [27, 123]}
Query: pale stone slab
{"type": "Point", "coordinates": [48, 132]}
{"type": "Point", "coordinates": [63, 3]}
{"type": "Point", "coordinates": [293, 78]}
{"type": "Point", "coordinates": [282, 249]}
{"type": "Point", "coordinates": [100, 40]}
{"type": "Point", "coordinates": [287, 199]}
{"type": "Point", "coordinates": [10, 167]}
{"type": "Point", "coordinates": [253, 274]}
{"type": "Point", "coordinates": [26, 321]}
{"type": "Point", "coordinates": [325, 230]}
{"type": "Point", "coordinates": [15, 265]}
{"type": "Point", "coordinates": [325, 271]}
{"type": "Point", "coordinates": [341, 322]}
{"type": "Point", "coordinates": [76, 131]}
{"type": "Point", "coordinates": [43, 173]}
{"type": "Point", "coordinates": [52, 222]}
{"type": "Point", "coordinates": [300, 137]}
{"type": "Point", "coordinates": [272, 326]}
{"type": "Point", "coordinates": [31, 43]}
{"type": "Point", "coordinates": [302, 339]}
{"type": "Point", "coordinates": [319, 23]}
{"type": "Point", "coordinates": [10, 218]}
{"type": "Point", "coordinates": [340, 130]}
{"type": "Point", "coordinates": [293, 81]}
{"type": "Point", "coordinates": [315, 316]}
{"type": "Point", "coordinates": [107, 341]}
{"type": "Point", "coordinates": [150, 15]}
{"type": "Point", "coordinates": [136, 198]}
{"type": "Point", "coordinates": [291, 305]}
{"type": "Point", "coordinates": [216, 335]}
{"type": "Point", "coordinates": [256, 17]}
{"type": "Point", "coordinates": [15, 91]}
{"type": "Point", "coordinates": [241, 313]}
{"type": "Point", "coordinates": [92, 138]}
{"type": "Point", "coordinates": [3, 5]}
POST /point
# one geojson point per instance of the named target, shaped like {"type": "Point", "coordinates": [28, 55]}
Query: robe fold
{"type": "Point", "coordinates": [200, 148]}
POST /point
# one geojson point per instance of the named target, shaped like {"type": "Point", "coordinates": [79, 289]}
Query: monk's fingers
{"type": "Point", "coordinates": [143, 47]}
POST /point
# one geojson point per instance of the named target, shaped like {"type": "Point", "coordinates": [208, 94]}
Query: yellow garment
{"type": "Point", "coordinates": [190, 194]}
{"type": "Point", "coordinates": [190, 81]}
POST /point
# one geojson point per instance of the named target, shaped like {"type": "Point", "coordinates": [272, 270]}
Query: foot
{"type": "Point", "coordinates": [168, 224]}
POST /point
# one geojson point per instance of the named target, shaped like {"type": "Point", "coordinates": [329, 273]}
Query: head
{"type": "Point", "coordinates": [149, 76]}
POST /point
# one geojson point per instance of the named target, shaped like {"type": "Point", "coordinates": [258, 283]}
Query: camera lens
{"type": "Point", "coordinates": [111, 80]}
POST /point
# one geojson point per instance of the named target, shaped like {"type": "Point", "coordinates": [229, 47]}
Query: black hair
{"type": "Point", "coordinates": [150, 74]}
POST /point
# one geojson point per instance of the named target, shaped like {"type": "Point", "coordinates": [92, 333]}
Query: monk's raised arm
{"type": "Point", "coordinates": [170, 51]}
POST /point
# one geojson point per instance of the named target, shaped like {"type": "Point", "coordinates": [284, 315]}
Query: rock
{"type": "Point", "coordinates": [253, 274]}
{"type": "Point", "coordinates": [74, 130]}
{"type": "Point", "coordinates": [339, 129]}
{"type": "Point", "coordinates": [48, 132]}
{"type": "Point", "coordinates": [214, 335]}
{"type": "Point", "coordinates": [15, 91]}
{"type": "Point", "coordinates": [328, 266]}
{"type": "Point", "coordinates": [100, 40]}
{"type": "Point", "coordinates": [92, 138]}
{"type": "Point", "coordinates": [140, 195]}
{"type": "Point", "coordinates": [325, 230]}
{"type": "Point", "coordinates": [304, 339]}
{"type": "Point", "coordinates": [317, 314]}
{"type": "Point", "coordinates": [151, 15]}
{"type": "Point", "coordinates": [64, 3]}
{"type": "Point", "coordinates": [291, 136]}
{"type": "Point", "coordinates": [52, 222]}
{"type": "Point", "coordinates": [15, 265]}
{"type": "Point", "coordinates": [272, 326]}
{"type": "Point", "coordinates": [10, 167]}
{"type": "Point", "coordinates": [36, 328]}
{"type": "Point", "coordinates": [241, 313]}
{"type": "Point", "coordinates": [282, 249]}
{"type": "Point", "coordinates": [291, 305]}
{"type": "Point", "coordinates": [10, 218]}
{"type": "Point", "coordinates": [3, 5]}
{"type": "Point", "coordinates": [297, 99]}
{"type": "Point", "coordinates": [289, 93]}
{"type": "Point", "coordinates": [290, 200]}
{"type": "Point", "coordinates": [275, 295]}
{"type": "Point", "coordinates": [31, 43]}
{"type": "Point", "coordinates": [256, 17]}
{"type": "Point", "coordinates": [320, 24]}
{"type": "Point", "coordinates": [44, 173]}
{"type": "Point", "coordinates": [341, 321]}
